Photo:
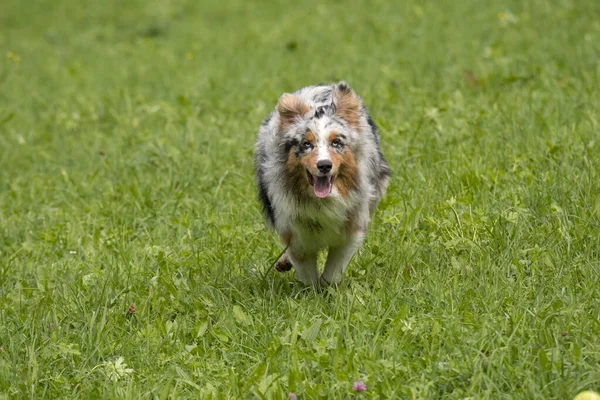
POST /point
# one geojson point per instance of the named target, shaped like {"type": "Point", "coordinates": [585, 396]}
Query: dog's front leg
{"type": "Point", "coordinates": [338, 259]}
{"type": "Point", "coordinates": [305, 265]}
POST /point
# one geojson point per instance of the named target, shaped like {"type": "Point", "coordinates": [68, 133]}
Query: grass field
{"type": "Point", "coordinates": [135, 263]}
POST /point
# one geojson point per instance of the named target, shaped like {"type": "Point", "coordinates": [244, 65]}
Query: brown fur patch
{"type": "Point", "coordinates": [286, 238]}
{"type": "Point", "coordinates": [347, 105]}
{"type": "Point", "coordinates": [290, 107]}
{"type": "Point", "coordinates": [309, 161]}
{"type": "Point", "coordinates": [297, 180]}
{"type": "Point", "coordinates": [347, 177]}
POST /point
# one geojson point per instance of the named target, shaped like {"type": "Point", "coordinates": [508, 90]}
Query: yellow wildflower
{"type": "Point", "coordinates": [506, 17]}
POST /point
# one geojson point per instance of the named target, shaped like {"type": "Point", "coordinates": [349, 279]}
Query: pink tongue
{"type": "Point", "coordinates": [322, 186]}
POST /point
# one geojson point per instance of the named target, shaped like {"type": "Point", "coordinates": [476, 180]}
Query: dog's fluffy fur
{"type": "Point", "coordinates": [320, 175]}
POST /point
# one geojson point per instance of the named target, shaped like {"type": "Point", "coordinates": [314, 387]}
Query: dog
{"type": "Point", "coordinates": [320, 175]}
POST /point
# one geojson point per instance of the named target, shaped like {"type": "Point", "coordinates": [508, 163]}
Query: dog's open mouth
{"type": "Point", "coordinates": [321, 184]}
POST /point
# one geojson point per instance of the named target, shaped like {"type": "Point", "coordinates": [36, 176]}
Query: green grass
{"type": "Point", "coordinates": [126, 140]}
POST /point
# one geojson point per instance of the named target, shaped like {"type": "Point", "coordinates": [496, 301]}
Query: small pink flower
{"type": "Point", "coordinates": [292, 396]}
{"type": "Point", "coordinates": [359, 386]}
{"type": "Point", "coordinates": [131, 309]}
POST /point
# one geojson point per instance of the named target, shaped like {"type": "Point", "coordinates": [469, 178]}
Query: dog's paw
{"type": "Point", "coordinates": [283, 264]}
{"type": "Point", "coordinates": [324, 284]}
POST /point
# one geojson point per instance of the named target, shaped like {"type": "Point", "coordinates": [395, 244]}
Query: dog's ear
{"type": "Point", "coordinates": [290, 107]}
{"type": "Point", "coordinates": [347, 105]}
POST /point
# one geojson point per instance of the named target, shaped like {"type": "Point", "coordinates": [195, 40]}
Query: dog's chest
{"type": "Point", "coordinates": [318, 228]}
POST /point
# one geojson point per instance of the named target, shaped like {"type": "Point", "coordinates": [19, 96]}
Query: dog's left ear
{"type": "Point", "coordinates": [290, 107]}
{"type": "Point", "coordinates": [347, 105]}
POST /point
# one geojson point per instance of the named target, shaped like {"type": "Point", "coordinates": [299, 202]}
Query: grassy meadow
{"type": "Point", "coordinates": [134, 260]}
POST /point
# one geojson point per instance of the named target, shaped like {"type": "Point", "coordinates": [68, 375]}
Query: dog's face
{"type": "Point", "coordinates": [324, 152]}
{"type": "Point", "coordinates": [320, 146]}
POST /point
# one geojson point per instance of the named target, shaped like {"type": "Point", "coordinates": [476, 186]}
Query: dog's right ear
{"type": "Point", "coordinates": [290, 107]}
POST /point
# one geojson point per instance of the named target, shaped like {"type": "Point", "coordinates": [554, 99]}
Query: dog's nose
{"type": "Point", "coordinates": [324, 166]}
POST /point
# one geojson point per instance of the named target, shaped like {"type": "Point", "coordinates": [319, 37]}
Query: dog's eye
{"type": "Point", "coordinates": [306, 145]}
{"type": "Point", "coordinates": [337, 144]}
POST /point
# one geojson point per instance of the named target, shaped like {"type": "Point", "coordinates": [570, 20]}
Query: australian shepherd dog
{"type": "Point", "coordinates": [320, 175]}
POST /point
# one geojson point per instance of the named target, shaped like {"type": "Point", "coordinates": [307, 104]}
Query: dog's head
{"type": "Point", "coordinates": [320, 144]}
